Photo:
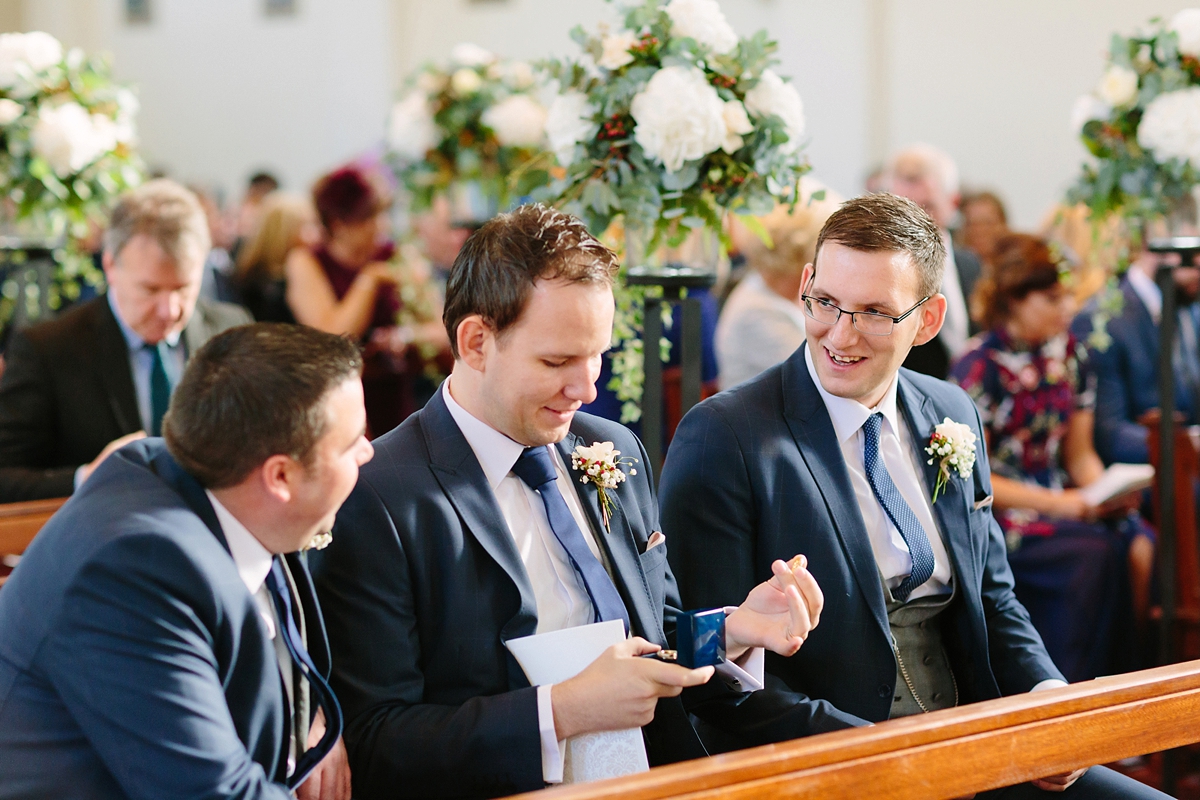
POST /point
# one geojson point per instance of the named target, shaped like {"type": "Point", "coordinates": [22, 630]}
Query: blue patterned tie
{"type": "Point", "coordinates": [897, 510]}
{"type": "Point", "coordinates": [277, 587]}
{"type": "Point", "coordinates": [536, 468]}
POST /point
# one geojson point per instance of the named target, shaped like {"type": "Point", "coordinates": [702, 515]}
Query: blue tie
{"type": "Point", "coordinates": [277, 586]}
{"type": "Point", "coordinates": [536, 468]}
{"type": "Point", "coordinates": [160, 388]}
{"type": "Point", "coordinates": [897, 510]}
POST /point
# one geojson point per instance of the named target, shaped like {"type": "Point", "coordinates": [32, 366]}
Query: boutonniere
{"type": "Point", "coordinates": [319, 542]}
{"type": "Point", "coordinates": [601, 466]}
{"type": "Point", "coordinates": [953, 446]}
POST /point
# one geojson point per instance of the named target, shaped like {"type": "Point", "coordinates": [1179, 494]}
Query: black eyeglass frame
{"type": "Point", "coordinates": [809, 300]}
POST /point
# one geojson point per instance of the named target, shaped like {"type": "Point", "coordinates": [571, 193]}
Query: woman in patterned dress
{"type": "Point", "coordinates": [1082, 571]}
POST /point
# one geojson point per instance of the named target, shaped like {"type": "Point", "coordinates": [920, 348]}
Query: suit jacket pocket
{"type": "Point", "coordinates": [654, 566]}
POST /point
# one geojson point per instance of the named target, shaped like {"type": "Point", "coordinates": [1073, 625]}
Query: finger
{"type": "Point", "coordinates": [636, 646]}
{"type": "Point", "coordinates": [801, 622]}
{"type": "Point", "coordinates": [674, 675]}
{"type": "Point", "coordinates": [814, 598]}
{"type": "Point", "coordinates": [1046, 786]}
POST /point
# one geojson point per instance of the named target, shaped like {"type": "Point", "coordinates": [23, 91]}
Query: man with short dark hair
{"type": "Point", "coordinates": [160, 637]}
{"type": "Point", "coordinates": [474, 528]}
{"type": "Point", "coordinates": [78, 387]}
{"type": "Point", "coordinates": [880, 476]}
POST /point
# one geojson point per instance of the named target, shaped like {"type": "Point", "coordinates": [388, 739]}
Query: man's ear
{"type": "Point", "coordinates": [932, 316]}
{"type": "Point", "coordinates": [276, 476]}
{"type": "Point", "coordinates": [472, 337]}
{"type": "Point", "coordinates": [106, 262]}
{"type": "Point", "coordinates": [806, 278]}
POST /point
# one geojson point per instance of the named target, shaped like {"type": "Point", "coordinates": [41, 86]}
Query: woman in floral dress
{"type": "Point", "coordinates": [1080, 570]}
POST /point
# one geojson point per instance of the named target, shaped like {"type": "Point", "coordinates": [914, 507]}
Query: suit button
{"type": "Point", "coordinates": [927, 660]}
{"type": "Point", "coordinates": [937, 696]}
{"type": "Point", "coordinates": [885, 690]}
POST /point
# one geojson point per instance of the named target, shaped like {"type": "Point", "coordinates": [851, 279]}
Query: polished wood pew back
{"type": "Point", "coordinates": [945, 754]}
{"type": "Point", "coordinates": [20, 522]}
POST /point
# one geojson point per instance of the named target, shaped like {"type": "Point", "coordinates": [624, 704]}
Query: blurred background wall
{"type": "Point", "coordinates": [227, 87]}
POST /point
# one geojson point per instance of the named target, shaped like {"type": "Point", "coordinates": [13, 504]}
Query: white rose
{"type": "Point", "coordinates": [772, 96]}
{"type": "Point", "coordinates": [1170, 126]}
{"type": "Point", "coordinates": [411, 130]}
{"type": "Point", "coordinates": [471, 55]}
{"type": "Point", "coordinates": [465, 81]}
{"type": "Point", "coordinates": [680, 117]}
{"type": "Point", "coordinates": [519, 74]}
{"type": "Point", "coordinates": [569, 123]}
{"type": "Point", "coordinates": [703, 21]}
{"type": "Point", "coordinates": [616, 50]}
{"type": "Point", "coordinates": [1119, 86]}
{"type": "Point", "coordinates": [10, 111]}
{"type": "Point", "coordinates": [737, 125]}
{"type": "Point", "coordinates": [518, 120]}
{"type": "Point", "coordinates": [70, 139]}
{"type": "Point", "coordinates": [1087, 108]}
{"type": "Point", "coordinates": [1186, 25]}
{"type": "Point", "coordinates": [42, 51]}
{"type": "Point", "coordinates": [19, 52]}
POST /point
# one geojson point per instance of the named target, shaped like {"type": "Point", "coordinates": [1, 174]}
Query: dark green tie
{"type": "Point", "coordinates": [160, 388]}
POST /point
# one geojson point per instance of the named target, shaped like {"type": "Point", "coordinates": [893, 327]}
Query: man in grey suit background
{"type": "Point", "coordinates": [76, 388]}
{"type": "Point", "coordinates": [825, 454]}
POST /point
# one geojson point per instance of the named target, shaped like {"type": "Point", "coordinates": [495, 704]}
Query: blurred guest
{"type": "Point", "coordinates": [78, 387]}
{"type": "Point", "coordinates": [1097, 247]}
{"type": "Point", "coordinates": [1074, 562]}
{"type": "Point", "coordinates": [246, 218]}
{"type": "Point", "coordinates": [346, 285]}
{"type": "Point", "coordinates": [984, 221]}
{"type": "Point", "coordinates": [218, 281]}
{"type": "Point", "coordinates": [929, 177]}
{"type": "Point", "coordinates": [762, 322]}
{"type": "Point", "coordinates": [440, 239]}
{"type": "Point", "coordinates": [287, 221]}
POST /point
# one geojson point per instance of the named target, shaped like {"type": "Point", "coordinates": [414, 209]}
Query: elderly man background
{"type": "Point", "coordinates": [78, 387]}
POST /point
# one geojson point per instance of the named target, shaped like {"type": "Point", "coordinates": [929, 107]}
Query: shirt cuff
{"type": "Point", "coordinates": [552, 748]}
{"type": "Point", "coordinates": [79, 476]}
{"type": "Point", "coordinates": [1049, 683]}
{"type": "Point", "coordinates": [747, 672]}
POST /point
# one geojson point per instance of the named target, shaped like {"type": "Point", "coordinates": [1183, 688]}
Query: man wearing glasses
{"type": "Point", "coordinates": [825, 454]}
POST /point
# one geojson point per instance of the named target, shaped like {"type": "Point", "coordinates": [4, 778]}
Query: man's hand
{"type": "Point", "coordinates": [619, 690]}
{"type": "Point", "coordinates": [329, 780]}
{"type": "Point", "coordinates": [1059, 783]}
{"type": "Point", "coordinates": [777, 614]}
{"type": "Point", "coordinates": [109, 449]}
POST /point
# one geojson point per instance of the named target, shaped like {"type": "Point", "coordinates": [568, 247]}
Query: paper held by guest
{"type": "Point", "coordinates": [554, 657]}
{"type": "Point", "coordinates": [1118, 480]}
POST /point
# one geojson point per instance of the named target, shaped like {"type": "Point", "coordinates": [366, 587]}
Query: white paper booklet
{"type": "Point", "coordinates": [553, 658]}
{"type": "Point", "coordinates": [1117, 480]}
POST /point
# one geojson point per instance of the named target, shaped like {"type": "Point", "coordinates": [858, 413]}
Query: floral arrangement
{"type": "Point", "coordinates": [1142, 123]}
{"type": "Point", "coordinates": [475, 122]}
{"type": "Point", "coordinates": [68, 136]}
{"type": "Point", "coordinates": [953, 445]}
{"type": "Point", "coordinates": [668, 124]}
{"type": "Point", "coordinates": [601, 467]}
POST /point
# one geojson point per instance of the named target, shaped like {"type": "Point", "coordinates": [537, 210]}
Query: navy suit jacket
{"type": "Point", "coordinates": [1127, 380]}
{"type": "Point", "coordinates": [756, 473]}
{"type": "Point", "coordinates": [133, 661]}
{"type": "Point", "coordinates": [423, 585]}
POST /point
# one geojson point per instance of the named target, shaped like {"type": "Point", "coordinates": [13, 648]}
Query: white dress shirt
{"type": "Point", "coordinates": [900, 457]}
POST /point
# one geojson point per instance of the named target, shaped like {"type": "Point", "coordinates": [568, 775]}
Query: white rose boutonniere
{"type": "Point", "coordinates": [319, 542]}
{"type": "Point", "coordinates": [601, 466]}
{"type": "Point", "coordinates": [953, 446]}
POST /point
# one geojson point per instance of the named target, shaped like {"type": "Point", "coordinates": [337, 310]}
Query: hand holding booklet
{"type": "Point", "coordinates": [1118, 480]}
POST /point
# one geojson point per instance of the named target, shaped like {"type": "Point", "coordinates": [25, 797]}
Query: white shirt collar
{"type": "Point", "coordinates": [495, 452]}
{"type": "Point", "coordinates": [848, 415]}
{"type": "Point", "coordinates": [1147, 291]}
{"type": "Point", "coordinates": [253, 561]}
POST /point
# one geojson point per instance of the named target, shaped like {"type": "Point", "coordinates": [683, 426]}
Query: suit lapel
{"type": "Point", "coordinates": [812, 429]}
{"type": "Point", "coordinates": [951, 508]}
{"type": "Point", "coordinates": [462, 479]}
{"type": "Point", "coordinates": [112, 367]}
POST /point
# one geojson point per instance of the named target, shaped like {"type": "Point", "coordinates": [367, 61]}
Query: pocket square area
{"type": "Point", "coordinates": [984, 503]}
{"type": "Point", "coordinates": [655, 540]}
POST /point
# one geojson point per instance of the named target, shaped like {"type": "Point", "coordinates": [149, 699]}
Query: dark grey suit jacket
{"type": "Point", "coordinates": [422, 587]}
{"type": "Point", "coordinates": [67, 392]}
{"type": "Point", "coordinates": [756, 473]}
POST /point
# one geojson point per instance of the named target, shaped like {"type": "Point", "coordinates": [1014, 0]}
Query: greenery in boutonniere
{"type": "Point", "coordinates": [668, 124]}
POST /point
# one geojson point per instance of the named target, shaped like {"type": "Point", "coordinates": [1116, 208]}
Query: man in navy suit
{"type": "Point", "coordinates": [825, 454]}
{"type": "Point", "coordinates": [154, 640]}
{"type": "Point", "coordinates": [472, 528]}
{"type": "Point", "coordinates": [1126, 365]}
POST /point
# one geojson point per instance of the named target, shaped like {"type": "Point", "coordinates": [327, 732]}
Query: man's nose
{"type": "Point", "coordinates": [582, 384]}
{"type": "Point", "coordinates": [843, 333]}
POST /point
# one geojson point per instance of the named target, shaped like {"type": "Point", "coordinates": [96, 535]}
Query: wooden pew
{"type": "Point", "coordinates": [945, 754]}
{"type": "Point", "coordinates": [20, 522]}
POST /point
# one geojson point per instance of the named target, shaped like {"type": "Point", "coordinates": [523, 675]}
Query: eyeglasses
{"type": "Point", "coordinates": [872, 323]}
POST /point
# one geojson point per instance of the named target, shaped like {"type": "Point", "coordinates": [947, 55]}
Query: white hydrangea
{"type": "Point", "coordinates": [518, 120]}
{"type": "Point", "coordinates": [1119, 86]}
{"type": "Point", "coordinates": [680, 117]}
{"type": "Point", "coordinates": [569, 123]}
{"type": "Point", "coordinates": [773, 96]}
{"type": "Point", "coordinates": [1186, 25]}
{"type": "Point", "coordinates": [737, 125]}
{"type": "Point", "coordinates": [471, 55]}
{"type": "Point", "coordinates": [616, 50]}
{"type": "Point", "coordinates": [70, 138]}
{"type": "Point", "coordinates": [1170, 126]}
{"type": "Point", "coordinates": [703, 21]}
{"type": "Point", "coordinates": [465, 81]}
{"type": "Point", "coordinates": [127, 108]}
{"type": "Point", "coordinates": [411, 130]}
{"type": "Point", "coordinates": [1087, 108]}
{"type": "Point", "coordinates": [35, 51]}
{"type": "Point", "coordinates": [10, 111]}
